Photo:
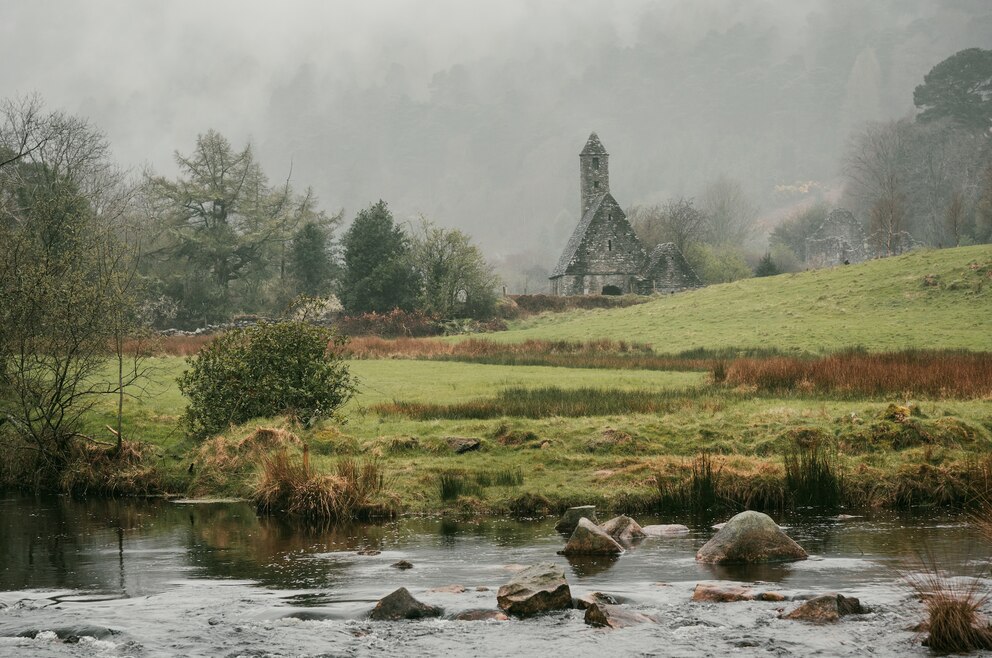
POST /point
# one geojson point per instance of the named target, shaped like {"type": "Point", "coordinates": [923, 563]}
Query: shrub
{"type": "Point", "coordinates": [265, 370]}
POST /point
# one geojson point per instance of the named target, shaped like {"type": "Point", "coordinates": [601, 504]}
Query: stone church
{"type": "Point", "coordinates": [604, 255]}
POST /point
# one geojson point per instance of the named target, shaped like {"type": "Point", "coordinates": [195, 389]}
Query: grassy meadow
{"type": "Point", "coordinates": [620, 431]}
{"type": "Point", "coordinates": [924, 299]}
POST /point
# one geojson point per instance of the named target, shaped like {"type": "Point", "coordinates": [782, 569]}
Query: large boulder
{"type": "Point", "coordinates": [570, 519]}
{"type": "Point", "coordinates": [613, 616]}
{"type": "Point", "coordinates": [749, 538]}
{"type": "Point", "coordinates": [536, 589]}
{"type": "Point", "coordinates": [825, 609]}
{"type": "Point", "coordinates": [624, 529]}
{"type": "Point", "coordinates": [590, 539]}
{"type": "Point", "coordinates": [401, 605]}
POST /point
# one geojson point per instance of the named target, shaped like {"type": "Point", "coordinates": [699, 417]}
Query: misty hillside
{"type": "Point", "coordinates": [474, 116]}
{"type": "Point", "coordinates": [930, 299]}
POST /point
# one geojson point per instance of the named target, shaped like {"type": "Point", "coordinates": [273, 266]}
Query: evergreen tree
{"type": "Point", "coordinates": [378, 274]}
{"type": "Point", "coordinates": [766, 267]}
{"type": "Point", "coordinates": [958, 88]}
{"type": "Point", "coordinates": [311, 262]}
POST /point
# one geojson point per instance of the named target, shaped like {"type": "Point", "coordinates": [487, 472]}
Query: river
{"type": "Point", "coordinates": [156, 578]}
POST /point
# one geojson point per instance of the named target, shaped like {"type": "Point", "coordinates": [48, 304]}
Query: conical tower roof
{"type": "Point", "coordinates": [593, 146]}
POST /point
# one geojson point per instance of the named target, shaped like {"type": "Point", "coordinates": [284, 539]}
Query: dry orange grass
{"type": "Point", "coordinates": [603, 353]}
{"type": "Point", "coordinates": [167, 345]}
{"type": "Point", "coordinates": [288, 485]}
{"type": "Point", "coordinates": [941, 374]}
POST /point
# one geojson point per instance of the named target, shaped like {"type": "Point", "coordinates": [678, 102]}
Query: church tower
{"type": "Point", "coordinates": [594, 172]}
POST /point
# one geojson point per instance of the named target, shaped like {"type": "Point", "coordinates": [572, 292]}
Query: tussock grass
{"type": "Point", "coordinates": [289, 485]}
{"type": "Point", "coordinates": [932, 373]}
{"type": "Point", "coordinates": [811, 475]}
{"type": "Point", "coordinates": [100, 469]}
{"type": "Point", "coordinates": [452, 484]}
{"type": "Point", "coordinates": [221, 464]}
{"type": "Point", "coordinates": [952, 606]}
{"type": "Point", "coordinates": [711, 483]}
{"type": "Point", "coordinates": [550, 401]}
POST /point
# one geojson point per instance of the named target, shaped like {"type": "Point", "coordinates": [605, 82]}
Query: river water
{"type": "Point", "coordinates": [156, 578]}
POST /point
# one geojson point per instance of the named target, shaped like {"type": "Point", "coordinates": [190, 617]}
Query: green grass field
{"type": "Point", "coordinates": [881, 305]}
{"type": "Point", "coordinates": [626, 460]}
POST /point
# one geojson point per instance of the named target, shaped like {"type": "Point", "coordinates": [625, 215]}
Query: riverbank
{"type": "Point", "coordinates": [699, 445]}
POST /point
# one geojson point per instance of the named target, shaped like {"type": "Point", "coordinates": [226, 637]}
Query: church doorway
{"type": "Point", "coordinates": [612, 290]}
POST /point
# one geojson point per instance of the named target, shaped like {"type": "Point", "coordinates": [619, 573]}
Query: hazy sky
{"type": "Point", "coordinates": [473, 113]}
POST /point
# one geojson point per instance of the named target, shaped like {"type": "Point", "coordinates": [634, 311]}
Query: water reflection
{"type": "Point", "coordinates": [132, 547]}
{"type": "Point", "coordinates": [591, 565]}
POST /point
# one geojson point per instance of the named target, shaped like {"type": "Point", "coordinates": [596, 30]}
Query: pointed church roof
{"type": "Point", "coordinates": [574, 242]}
{"type": "Point", "coordinates": [594, 146]}
{"type": "Point", "coordinates": [669, 251]}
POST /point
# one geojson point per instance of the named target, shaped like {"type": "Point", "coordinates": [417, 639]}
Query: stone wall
{"type": "Point", "coordinates": [592, 284]}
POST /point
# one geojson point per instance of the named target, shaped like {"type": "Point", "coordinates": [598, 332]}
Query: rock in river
{"type": "Point", "coordinates": [481, 615]}
{"type": "Point", "coordinates": [401, 605]}
{"type": "Point", "coordinates": [590, 539]}
{"type": "Point", "coordinates": [826, 608]}
{"type": "Point", "coordinates": [613, 616]}
{"type": "Point", "coordinates": [748, 538]}
{"type": "Point", "coordinates": [712, 593]}
{"type": "Point", "coordinates": [624, 529]}
{"type": "Point", "coordinates": [665, 530]}
{"type": "Point", "coordinates": [534, 590]}
{"type": "Point", "coordinates": [570, 519]}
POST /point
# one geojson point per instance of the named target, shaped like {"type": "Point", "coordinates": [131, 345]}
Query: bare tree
{"type": "Point", "coordinates": [877, 178]}
{"type": "Point", "coordinates": [65, 274]}
{"type": "Point", "coordinates": [954, 219]}
{"type": "Point", "coordinates": [677, 221]}
{"type": "Point", "coordinates": [730, 214]}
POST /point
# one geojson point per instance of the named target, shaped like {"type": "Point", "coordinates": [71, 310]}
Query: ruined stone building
{"type": "Point", "coordinates": [604, 255]}
{"type": "Point", "coordinates": [839, 240]}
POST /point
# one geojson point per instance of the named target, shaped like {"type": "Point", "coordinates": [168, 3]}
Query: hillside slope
{"type": "Point", "coordinates": [925, 299]}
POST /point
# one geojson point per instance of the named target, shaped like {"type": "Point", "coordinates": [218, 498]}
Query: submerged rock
{"type": "Point", "coordinates": [481, 615]}
{"type": "Point", "coordinates": [623, 529]}
{"type": "Point", "coordinates": [449, 589]}
{"type": "Point", "coordinates": [749, 538]}
{"type": "Point", "coordinates": [826, 608]}
{"type": "Point", "coordinates": [730, 593]}
{"type": "Point", "coordinates": [534, 590]}
{"type": "Point", "coordinates": [664, 530]}
{"type": "Point", "coordinates": [402, 564]}
{"type": "Point", "coordinates": [583, 602]}
{"type": "Point", "coordinates": [590, 539]}
{"type": "Point", "coordinates": [401, 605]}
{"type": "Point", "coordinates": [722, 593]}
{"type": "Point", "coordinates": [613, 616]}
{"type": "Point", "coordinates": [570, 519]}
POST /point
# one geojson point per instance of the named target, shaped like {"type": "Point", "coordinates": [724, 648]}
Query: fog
{"type": "Point", "coordinates": [473, 113]}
